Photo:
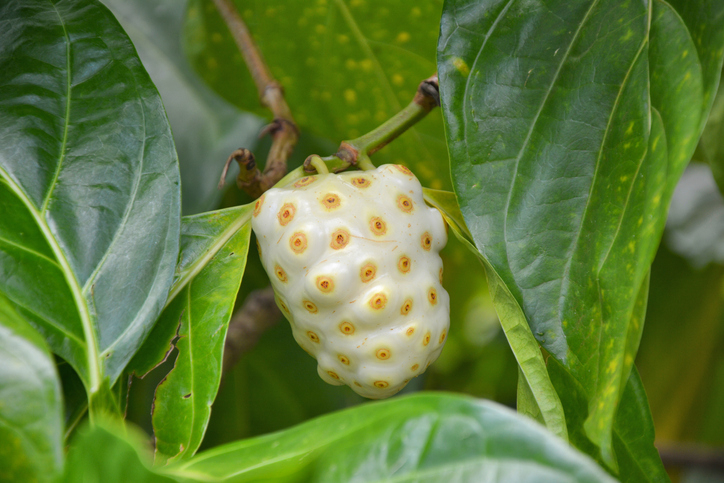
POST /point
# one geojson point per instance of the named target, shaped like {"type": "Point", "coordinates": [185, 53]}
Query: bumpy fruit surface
{"type": "Point", "coordinates": [353, 259]}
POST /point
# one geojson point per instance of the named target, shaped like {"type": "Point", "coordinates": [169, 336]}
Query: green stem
{"type": "Point", "coordinates": [376, 139]}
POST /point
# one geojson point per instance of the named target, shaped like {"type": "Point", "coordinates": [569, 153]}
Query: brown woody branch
{"type": "Point", "coordinates": [283, 129]}
{"type": "Point", "coordinates": [258, 313]}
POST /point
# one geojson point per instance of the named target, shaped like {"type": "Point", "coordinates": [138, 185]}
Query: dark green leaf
{"type": "Point", "coordinates": [89, 184]}
{"type": "Point", "coordinates": [633, 430]}
{"type": "Point", "coordinates": [206, 128]}
{"type": "Point", "coordinates": [214, 247]}
{"type": "Point", "coordinates": [539, 397]}
{"type": "Point", "coordinates": [31, 406]}
{"type": "Point", "coordinates": [110, 453]}
{"type": "Point", "coordinates": [564, 169]}
{"type": "Point", "coordinates": [711, 145]}
{"type": "Point", "coordinates": [346, 66]}
{"type": "Point", "coordinates": [426, 437]}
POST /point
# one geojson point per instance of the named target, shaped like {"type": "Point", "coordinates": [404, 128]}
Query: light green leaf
{"type": "Point", "coordinates": [31, 405]}
{"type": "Point", "coordinates": [346, 66]}
{"type": "Point", "coordinates": [425, 437]}
{"type": "Point", "coordinates": [89, 185]}
{"type": "Point", "coordinates": [568, 126]}
{"type": "Point", "coordinates": [214, 247]}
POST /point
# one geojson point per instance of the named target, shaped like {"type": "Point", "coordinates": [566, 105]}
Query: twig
{"type": "Point", "coordinates": [258, 314]}
{"type": "Point", "coordinates": [283, 129]}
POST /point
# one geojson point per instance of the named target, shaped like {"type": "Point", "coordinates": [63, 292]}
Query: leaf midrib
{"type": "Point", "coordinates": [94, 368]}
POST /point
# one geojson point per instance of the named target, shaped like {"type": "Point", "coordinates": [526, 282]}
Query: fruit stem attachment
{"type": "Point", "coordinates": [283, 129]}
{"type": "Point", "coordinates": [315, 163]}
{"type": "Point", "coordinates": [357, 151]}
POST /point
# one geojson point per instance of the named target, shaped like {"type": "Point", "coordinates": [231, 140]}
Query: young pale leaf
{"type": "Point", "coordinates": [110, 453]}
{"type": "Point", "coordinates": [31, 413]}
{"type": "Point", "coordinates": [568, 126]}
{"type": "Point", "coordinates": [430, 437]}
{"type": "Point", "coordinates": [89, 184]}
{"type": "Point", "coordinates": [214, 247]}
{"type": "Point", "coordinates": [346, 67]}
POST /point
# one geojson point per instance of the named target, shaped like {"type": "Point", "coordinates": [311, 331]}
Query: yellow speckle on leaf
{"type": "Point", "coordinates": [342, 39]}
{"type": "Point", "coordinates": [628, 35]}
{"type": "Point", "coordinates": [320, 29]}
{"type": "Point", "coordinates": [212, 63]}
{"type": "Point", "coordinates": [629, 130]}
{"type": "Point", "coordinates": [624, 178]}
{"type": "Point", "coordinates": [403, 37]}
{"type": "Point", "coordinates": [216, 37]}
{"type": "Point", "coordinates": [350, 96]}
{"type": "Point", "coordinates": [612, 366]}
{"type": "Point", "coordinates": [397, 79]}
{"type": "Point", "coordinates": [461, 66]}
{"type": "Point", "coordinates": [366, 65]}
{"type": "Point", "coordinates": [350, 64]}
{"type": "Point", "coordinates": [656, 200]}
{"type": "Point", "coordinates": [684, 54]}
{"type": "Point", "coordinates": [631, 246]}
{"type": "Point", "coordinates": [415, 12]}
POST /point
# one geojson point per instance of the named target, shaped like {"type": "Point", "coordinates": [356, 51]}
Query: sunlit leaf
{"type": "Point", "coordinates": [428, 437]}
{"type": "Point", "coordinates": [564, 169]}
{"type": "Point", "coordinates": [31, 418]}
{"type": "Point", "coordinates": [89, 184]}
{"type": "Point", "coordinates": [346, 66]}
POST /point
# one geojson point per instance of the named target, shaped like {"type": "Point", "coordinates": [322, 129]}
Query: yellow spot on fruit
{"type": "Point", "coordinates": [367, 272]}
{"type": "Point", "coordinates": [403, 169]}
{"type": "Point", "coordinates": [361, 182]}
{"type": "Point", "coordinates": [325, 284]}
{"type": "Point", "coordinates": [257, 206]}
{"type": "Point", "coordinates": [333, 375]}
{"type": "Point", "coordinates": [404, 264]}
{"type": "Point", "coordinates": [340, 239]}
{"type": "Point", "coordinates": [404, 203]}
{"type": "Point", "coordinates": [432, 296]}
{"type": "Point", "coordinates": [307, 180]}
{"type": "Point", "coordinates": [280, 273]}
{"type": "Point", "coordinates": [426, 241]}
{"type": "Point", "coordinates": [298, 242]}
{"type": "Point", "coordinates": [346, 328]}
{"type": "Point", "coordinates": [286, 214]}
{"type": "Point", "coordinates": [313, 337]}
{"type": "Point", "coordinates": [311, 308]}
{"type": "Point", "coordinates": [378, 226]}
{"type": "Point", "coordinates": [426, 339]}
{"type": "Point", "coordinates": [381, 384]}
{"type": "Point", "coordinates": [343, 359]}
{"type": "Point", "coordinates": [406, 307]}
{"type": "Point", "coordinates": [415, 367]}
{"type": "Point", "coordinates": [442, 336]}
{"type": "Point", "coordinates": [383, 354]}
{"type": "Point", "coordinates": [378, 301]}
{"type": "Point", "coordinates": [410, 331]}
{"type": "Point", "coordinates": [331, 201]}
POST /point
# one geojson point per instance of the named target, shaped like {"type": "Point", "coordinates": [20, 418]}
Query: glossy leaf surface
{"type": "Point", "coordinates": [206, 128]}
{"type": "Point", "coordinates": [31, 404]}
{"type": "Point", "coordinates": [564, 169]}
{"type": "Point", "coordinates": [430, 437]}
{"type": "Point", "coordinates": [199, 315]}
{"type": "Point", "coordinates": [346, 66]}
{"type": "Point", "coordinates": [89, 184]}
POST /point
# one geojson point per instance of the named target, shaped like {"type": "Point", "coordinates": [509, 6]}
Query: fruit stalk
{"type": "Point", "coordinates": [283, 129]}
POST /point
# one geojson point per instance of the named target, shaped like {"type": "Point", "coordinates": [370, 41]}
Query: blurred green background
{"type": "Point", "coordinates": [346, 66]}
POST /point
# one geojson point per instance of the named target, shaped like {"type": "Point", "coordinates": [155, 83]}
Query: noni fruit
{"type": "Point", "coordinates": [353, 260]}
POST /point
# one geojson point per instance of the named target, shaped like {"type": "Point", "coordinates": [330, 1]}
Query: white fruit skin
{"type": "Point", "coordinates": [382, 354]}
